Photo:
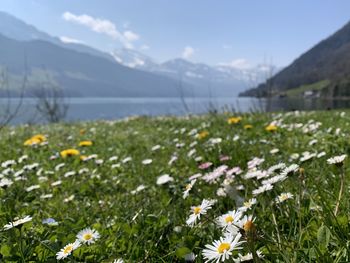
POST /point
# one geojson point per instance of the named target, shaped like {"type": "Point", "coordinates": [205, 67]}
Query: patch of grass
{"type": "Point", "coordinates": [318, 86]}
{"type": "Point", "coordinates": [139, 220]}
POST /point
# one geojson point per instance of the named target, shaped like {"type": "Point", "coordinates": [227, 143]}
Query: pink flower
{"type": "Point", "coordinates": [205, 165]}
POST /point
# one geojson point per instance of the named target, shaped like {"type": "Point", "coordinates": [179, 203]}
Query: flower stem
{"type": "Point", "coordinates": [342, 181]}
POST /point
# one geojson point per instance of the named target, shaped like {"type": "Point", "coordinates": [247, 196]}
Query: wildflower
{"type": "Point", "coordinates": [17, 222]}
{"type": "Point", "coordinates": [248, 126]}
{"type": "Point", "coordinates": [50, 221]}
{"type": "Point", "coordinates": [88, 236]}
{"type": "Point", "coordinates": [67, 250]}
{"type": "Point", "coordinates": [205, 165]}
{"type": "Point", "coordinates": [271, 128]}
{"type": "Point", "coordinates": [156, 147]}
{"type": "Point", "coordinates": [248, 205]}
{"type": "Point", "coordinates": [188, 188]}
{"type": "Point", "coordinates": [283, 197]}
{"type": "Point", "coordinates": [147, 161]}
{"type": "Point", "coordinates": [85, 143]}
{"type": "Point", "coordinates": [229, 219]}
{"type": "Point", "coordinates": [234, 120]}
{"type": "Point", "coordinates": [199, 210]}
{"type": "Point", "coordinates": [69, 152]}
{"type": "Point", "coordinates": [222, 249]}
{"type": "Point", "coordinates": [249, 256]}
{"type": "Point", "coordinates": [163, 179]}
{"type": "Point", "coordinates": [337, 160]}
{"type": "Point", "coordinates": [190, 257]}
{"type": "Point", "coordinates": [36, 139]}
{"type": "Point", "coordinates": [4, 182]}
{"type": "Point", "coordinates": [138, 189]}
{"type": "Point", "coordinates": [33, 187]}
{"type": "Point", "coordinates": [246, 223]}
{"type": "Point", "coordinates": [202, 134]}
{"type": "Point", "coordinates": [262, 189]}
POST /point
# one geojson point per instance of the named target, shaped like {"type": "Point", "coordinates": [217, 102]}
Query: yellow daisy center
{"type": "Point", "coordinates": [87, 236]}
{"type": "Point", "coordinates": [188, 187]}
{"type": "Point", "coordinates": [68, 249]}
{"type": "Point", "coordinates": [229, 219]}
{"type": "Point", "coordinates": [223, 247]}
{"type": "Point", "coordinates": [197, 210]}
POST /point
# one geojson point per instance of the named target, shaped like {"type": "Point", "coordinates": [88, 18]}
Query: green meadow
{"type": "Point", "coordinates": [259, 187]}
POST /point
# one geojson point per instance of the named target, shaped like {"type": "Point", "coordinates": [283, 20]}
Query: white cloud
{"type": "Point", "coordinates": [145, 47]}
{"type": "Point", "coordinates": [188, 52]}
{"type": "Point", "coordinates": [68, 40]}
{"type": "Point", "coordinates": [136, 62]}
{"type": "Point", "coordinates": [131, 36]}
{"type": "Point", "coordinates": [103, 26]}
{"type": "Point", "coordinates": [240, 63]}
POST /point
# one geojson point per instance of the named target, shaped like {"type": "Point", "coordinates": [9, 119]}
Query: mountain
{"type": "Point", "coordinates": [80, 74]}
{"type": "Point", "coordinates": [205, 80]}
{"type": "Point", "coordinates": [323, 71]}
{"type": "Point", "coordinates": [16, 29]}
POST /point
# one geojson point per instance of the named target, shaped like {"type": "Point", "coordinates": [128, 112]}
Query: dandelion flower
{"type": "Point", "coordinates": [222, 249]}
{"type": "Point", "coordinates": [88, 236]}
{"type": "Point", "coordinates": [69, 152]}
{"type": "Point", "coordinates": [85, 143]}
{"type": "Point", "coordinates": [234, 120]}
{"type": "Point", "coordinates": [271, 128]}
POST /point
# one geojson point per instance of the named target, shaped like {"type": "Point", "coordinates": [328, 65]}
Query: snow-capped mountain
{"type": "Point", "coordinates": [221, 80]}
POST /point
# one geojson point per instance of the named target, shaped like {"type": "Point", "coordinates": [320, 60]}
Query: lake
{"type": "Point", "coordinates": [116, 108]}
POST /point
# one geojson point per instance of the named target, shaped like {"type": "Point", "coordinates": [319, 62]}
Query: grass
{"type": "Point", "coordinates": [150, 225]}
{"type": "Point", "coordinates": [318, 86]}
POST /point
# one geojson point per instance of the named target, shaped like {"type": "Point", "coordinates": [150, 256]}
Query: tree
{"type": "Point", "coordinates": [51, 102]}
{"type": "Point", "coordinates": [9, 108]}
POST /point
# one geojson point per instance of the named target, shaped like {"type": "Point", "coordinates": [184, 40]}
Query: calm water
{"type": "Point", "coordinates": [115, 108]}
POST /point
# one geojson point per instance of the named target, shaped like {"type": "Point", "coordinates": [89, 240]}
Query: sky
{"type": "Point", "coordinates": [239, 33]}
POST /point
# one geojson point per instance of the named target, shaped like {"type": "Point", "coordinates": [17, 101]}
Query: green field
{"type": "Point", "coordinates": [128, 189]}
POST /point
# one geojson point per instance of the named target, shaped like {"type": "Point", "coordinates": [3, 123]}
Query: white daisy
{"type": "Point", "coordinates": [147, 161]}
{"type": "Point", "coordinates": [17, 222]}
{"type": "Point", "coordinates": [229, 219]}
{"type": "Point", "coordinates": [188, 188]}
{"type": "Point", "coordinates": [88, 236]}
{"type": "Point", "coordinates": [163, 179]}
{"type": "Point", "coordinates": [222, 249]}
{"type": "Point", "coordinates": [283, 197]}
{"type": "Point", "coordinates": [337, 159]}
{"type": "Point", "coordinates": [249, 256]}
{"type": "Point", "coordinates": [247, 205]}
{"type": "Point", "coordinates": [199, 210]}
{"type": "Point", "coordinates": [67, 250]}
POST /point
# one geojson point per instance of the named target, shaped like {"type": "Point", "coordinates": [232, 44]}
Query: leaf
{"type": "Point", "coordinates": [182, 251]}
{"type": "Point", "coordinates": [5, 250]}
{"type": "Point", "coordinates": [323, 236]}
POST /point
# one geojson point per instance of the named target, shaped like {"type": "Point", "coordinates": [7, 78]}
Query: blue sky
{"type": "Point", "coordinates": [241, 33]}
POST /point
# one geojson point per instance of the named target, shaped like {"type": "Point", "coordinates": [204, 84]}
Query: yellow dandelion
{"type": "Point", "coordinates": [271, 128]}
{"type": "Point", "coordinates": [202, 134]}
{"type": "Point", "coordinates": [248, 126]}
{"type": "Point", "coordinates": [69, 152]}
{"type": "Point", "coordinates": [85, 143]}
{"type": "Point", "coordinates": [234, 120]}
